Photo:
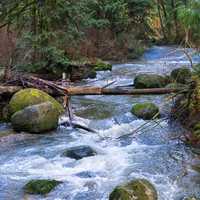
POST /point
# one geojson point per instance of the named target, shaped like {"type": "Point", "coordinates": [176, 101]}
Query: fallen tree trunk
{"type": "Point", "coordinates": [79, 91]}
{"type": "Point", "coordinates": [56, 89]}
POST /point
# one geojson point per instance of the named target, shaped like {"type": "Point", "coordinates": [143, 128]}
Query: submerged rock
{"type": "Point", "coordinates": [140, 189]}
{"type": "Point", "coordinates": [150, 81]}
{"type": "Point", "coordinates": [79, 152]}
{"type": "Point", "coordinates": [40, 186]}
{"type": "Point", "coordinates": [36, 119]}
{"type": "Point", "coordinates": [145, 110]}
{"type": "Point", "coordinates": [181, 75]}
{"type": "Point", "coordinates": [29, 97]}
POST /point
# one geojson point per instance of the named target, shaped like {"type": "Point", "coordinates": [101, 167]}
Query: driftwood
{"type": "Point", "coordinates": [78, 126]}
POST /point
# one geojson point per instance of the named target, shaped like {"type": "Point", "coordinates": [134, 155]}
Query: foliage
{"type": "Point", "coordinates": [190, 18]}
{"type": "Point", "coordinates": [48, 30]}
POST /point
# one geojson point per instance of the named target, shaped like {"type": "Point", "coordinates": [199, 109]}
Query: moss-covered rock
{"type": "Point", "coordinates": [79, 152]}
{"type": "Point", "coordinates": [30, 96]}
{"type": "Point", "coordinates": [36, 119]}
{"type": "Point", "coordinates": [102, 66]}
{"type": "Point", "coordinates": [150, 81]}
{"type": "Point", "coordinates": [140, 189]}
{"type": "Point", "coordinates": [145, 110]}
{"type": "Point", "coordinates": [181, 75]}
{"type": "Point", "coordinates": [40, 186]}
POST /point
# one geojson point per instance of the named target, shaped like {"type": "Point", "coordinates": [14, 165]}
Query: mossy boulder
{"type": "Point", "coordinates": [102, 66]}
{"type": "Point", "coordinates": [79, 152]}
{"type": "Point", "coordinates": [29, 97]}
{"type": "Point", "coordinates": [145, 110]}
{"type": "Point", "coordinates": [140, 189]}
{"type": "Point", "coordinates": [181, 75]}
{"type": "Point", "coordinates": [36, 119]}
{"type": "Point", "coordinates": [150, 81]}
{"type": "Point", "coordinates": [40, 186]}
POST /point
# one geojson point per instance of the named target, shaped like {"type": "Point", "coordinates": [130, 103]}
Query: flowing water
{"type": "Point", "coordinates": [154, 152]}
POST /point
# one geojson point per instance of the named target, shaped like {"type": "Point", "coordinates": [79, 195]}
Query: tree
{"type": "Point", "coordinates": [189, 15]}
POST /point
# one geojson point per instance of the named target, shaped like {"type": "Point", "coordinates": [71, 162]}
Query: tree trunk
{"type": "Point", "coordinates": [161, 20]}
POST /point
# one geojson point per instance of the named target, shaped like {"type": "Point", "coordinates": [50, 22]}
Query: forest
{"type": "Point", "coordinates": [99, 99]}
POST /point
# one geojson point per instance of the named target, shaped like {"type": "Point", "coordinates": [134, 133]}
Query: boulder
{"type": "Point", "coordinates": [181, 75]}
{"type": "Point", "coordinates": [145, 110]}
{"type": "Point", "coordinates": [81, 71]}
{"type": "Point", "coordinates": [29, 97]}
{"type": "Point", "coordinates": [102, 66]}
{"type": "Point", "coordinates": [79, 152]}
{"type": "Point", "coordinates": [36, 119]}
{"type": "Point", "coordinates": [150, 81]}
{"type": "Point", "coordinates": [140, 189]}
{"type": "Point", "coordinates": [40, 186]}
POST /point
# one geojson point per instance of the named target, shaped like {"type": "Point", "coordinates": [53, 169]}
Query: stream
{"type": "Point", "coordinates": [154, 152]}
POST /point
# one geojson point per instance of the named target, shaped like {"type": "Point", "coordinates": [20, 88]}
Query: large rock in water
{"type": "Point", "coordinates": [36, 119]}
{"type": "Point", "coordinates": [140, 189]}
{"type": "Point", "coordinates": [149, 81]}
{"type": "Point", "coordinates": [29, 97]}
{"type": "Point", "coordinates": [40, 186]}
{"type": "Point", "coordinates": [181, 75]}
{"type": "Point", "coordinates": [79, 152]}
{"type": "Point", "coordinates": [145, 110]}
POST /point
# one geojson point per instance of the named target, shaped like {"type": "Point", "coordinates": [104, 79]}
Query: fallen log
{"type": "Point", "coordinates": [79, 91]}
{"type": "Point", "coordinates": [55, 89]}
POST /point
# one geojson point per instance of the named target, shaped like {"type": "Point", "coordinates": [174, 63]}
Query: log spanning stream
{"type": "Point", "coordinates": [153, 153]}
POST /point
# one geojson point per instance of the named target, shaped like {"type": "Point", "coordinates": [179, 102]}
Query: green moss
{"type": "Point", "coordinates": [120, 194]}
{"type": "Point", "coordinates": [140, 189]}
{"type": "Point", "coordinates": [181, 75]}
{"type": "Point", "coordinates": [40, 186]}
{"type": "Point", "coordinates": [30, 96]}
{"type": "Point", "coordinates": [135, 53]}
{"type": "Point", "coordinates": [145, 110]}
{"type": "Point", "coordinates": [102, 66]}
{"type": "Point", "coordinates": [149, 81]}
